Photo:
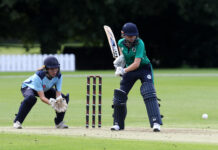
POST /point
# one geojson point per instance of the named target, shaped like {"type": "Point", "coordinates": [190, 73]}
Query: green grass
{"type": "Point", "coordinates": [45, 142]}
{"type": "Point", "coordinates": [10, 49]}
{"type": "Point", "coordinates": [188, 70]}
{"type": "Point", "coordinates": [184, 100]}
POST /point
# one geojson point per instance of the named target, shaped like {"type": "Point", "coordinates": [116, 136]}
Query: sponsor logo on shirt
{"type": "Point", "coordinates": [134, 49]}
{"type": "Point", "coordinates": [44, 86]}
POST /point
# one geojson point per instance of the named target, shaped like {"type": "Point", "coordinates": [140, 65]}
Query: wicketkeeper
{"type": "Point", "coordinates": [133, 64]}
{"type": "Point", "coordinates": [46, 84]}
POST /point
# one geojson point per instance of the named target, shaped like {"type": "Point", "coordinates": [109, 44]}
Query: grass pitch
{"type": "Point", "coordinates": [185, 94]}
{"type": "Point", "coordinates": [45, 142]}
{"type": "Point", "coordinates": [185, 97]}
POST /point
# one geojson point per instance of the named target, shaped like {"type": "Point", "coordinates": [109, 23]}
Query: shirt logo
{"type": "Point", "coordinates": [149, 76]}
{"type": "Point", "coordinates": [44, 86]}
{"type": "Point", "coordinates": [134, 49]}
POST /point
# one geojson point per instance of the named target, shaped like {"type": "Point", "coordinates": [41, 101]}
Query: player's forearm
{"type": "Point", "coordinates": [45, 100]}
{"type": "Point", "coordinates": [58, 93]}
{"type": "Point", "coordinates": [121, 53]}
{"type": "Point", "coordinates": [42, 97]}
{"type": "Point", "coordinates": [132, 67]}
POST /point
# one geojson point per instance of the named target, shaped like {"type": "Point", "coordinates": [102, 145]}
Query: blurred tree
{"type": "Point", "coordinates": [5, 28]}
{"type": "Point", "coordinates": [53, 22]}
{"type": "Point", "coordinates": [176, 33]}
{"type": "Point", "coordinates": [201, 11]}
{"type": "Point", "coordinates": [201, 28]}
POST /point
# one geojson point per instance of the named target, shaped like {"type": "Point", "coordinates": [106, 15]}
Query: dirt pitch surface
{"type": "Point", "coordinates": [166, 134]}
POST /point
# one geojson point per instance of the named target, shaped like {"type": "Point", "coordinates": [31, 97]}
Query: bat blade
{"type": "Point", "coordinates": [111, 41]}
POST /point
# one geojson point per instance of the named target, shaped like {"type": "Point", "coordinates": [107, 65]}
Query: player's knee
{"type": "Point", "coordinates": [31, 99]}
{"type": "Point", "coordinates": [147, 90]}
{"type": "Point", "coordinates": [120, 98]}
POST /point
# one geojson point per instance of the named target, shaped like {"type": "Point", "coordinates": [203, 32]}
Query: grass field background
{"type": "Point", "coordinates": [46, 142]}
{"type": "Point", "coordinates": [184, 99]}
{"type": "Point", "coordinates": [186, 94]}
{"type": "Point", "coordinates": [18, 49]}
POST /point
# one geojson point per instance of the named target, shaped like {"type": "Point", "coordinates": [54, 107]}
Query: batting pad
{"type": "Point", "coordinates": [153, 111]}
{"type": "Point", "coordinates": [120, 109]}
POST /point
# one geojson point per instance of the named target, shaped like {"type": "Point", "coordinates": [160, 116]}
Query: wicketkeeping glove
{"type": "Point", "coordinates": [52, 102]}
{"type": "Point", "coordinates": [59, 104]}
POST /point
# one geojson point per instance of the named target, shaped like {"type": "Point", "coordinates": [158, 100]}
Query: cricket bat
{"type": "Point", "coordinates": [112, 41]}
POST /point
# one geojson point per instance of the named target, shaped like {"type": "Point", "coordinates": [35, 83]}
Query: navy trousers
{"type": "Point", "coordinates": [30, 100]}
{"type": "Point", "coordinates": [145, 74]}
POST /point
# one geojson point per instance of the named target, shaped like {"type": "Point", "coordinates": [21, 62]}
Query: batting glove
{"type": "Point", "coordinates": [120, 71]}
{"type": "Point", "coordinates": [119, 61]}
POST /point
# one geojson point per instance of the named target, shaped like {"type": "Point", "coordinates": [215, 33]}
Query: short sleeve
{"type": "Point", "coordinates": [59, 83]}
{"type": "Point", "coordinates": [140, 50]}
{"type": "Point", "coordinates": [120, 42]}
{"type": "Point", "coordinates": [37, 83]}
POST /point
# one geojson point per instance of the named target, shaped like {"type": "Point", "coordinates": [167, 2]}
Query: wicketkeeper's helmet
{"type": "Point", "coordinates": [130, 29]}
{"type": "Point", "coordinates": [51, 62]}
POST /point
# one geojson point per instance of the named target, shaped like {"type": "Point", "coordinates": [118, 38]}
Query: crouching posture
{"type": "Point", "coordinates": [137, 66]}
{"type": "Point", "coordinates": [46, 84]}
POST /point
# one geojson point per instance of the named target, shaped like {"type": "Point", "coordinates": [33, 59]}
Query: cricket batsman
{"type": "Point", "coordinates": [46, 84]}
{"type": "Point", "coordinates": [133, 64]}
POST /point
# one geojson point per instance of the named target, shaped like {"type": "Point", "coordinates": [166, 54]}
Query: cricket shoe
{"type": "Point", "coordinates": [115, 128]}
{"type": "Point", "coordinates": [61, 125]}
{"type": "Point", "coordinates": [156, 127]}
{"type": "Point", "coordinates": [17, 125]}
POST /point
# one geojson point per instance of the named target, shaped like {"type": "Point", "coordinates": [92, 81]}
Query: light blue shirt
{"type": "Point", "coordinates": [40, 82]}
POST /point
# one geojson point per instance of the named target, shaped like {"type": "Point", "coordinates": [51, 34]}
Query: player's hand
{"type": "Point", "coordinates": [119, 61]}
{"type": "Point", "coordinates": [59, 104]}
{"type": "Point", "coordinates": [59, 99]}
{"type": "Point", "coordinates": [120, 71]}
{"type": "Point", "coordinates": [52, 102]}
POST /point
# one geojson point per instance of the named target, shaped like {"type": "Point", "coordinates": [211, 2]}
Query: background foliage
{"type": "Point", "coordinates": [176, 33]}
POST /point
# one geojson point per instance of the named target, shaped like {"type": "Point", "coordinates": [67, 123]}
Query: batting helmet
{"type": "Point", "coordinates": [51, 62]}
{"type": "Point", "coordinates": [130, 29]}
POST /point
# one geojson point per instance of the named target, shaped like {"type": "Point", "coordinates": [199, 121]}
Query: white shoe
{"type": "Point", "coordinates": [61, 125]}
{"type": "Point", "coordinates": [17, 125]}
{"type": "Point", "coordinates": [156, 127]}
{"type": "Point", "coordinates": [115, 128]}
